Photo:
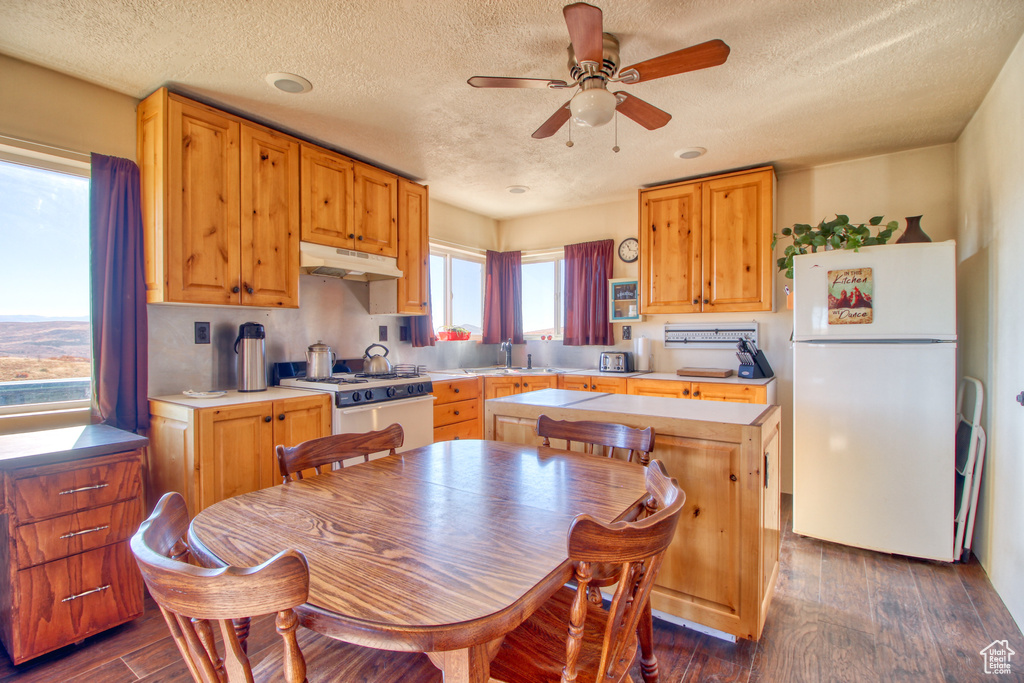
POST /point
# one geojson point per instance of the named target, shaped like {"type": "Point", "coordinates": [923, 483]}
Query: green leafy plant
{"type": "Point", "coordinates": [837, 233]}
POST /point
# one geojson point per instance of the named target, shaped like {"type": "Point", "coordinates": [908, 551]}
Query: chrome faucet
{"type": "Point", "coordinates": [506, 346]}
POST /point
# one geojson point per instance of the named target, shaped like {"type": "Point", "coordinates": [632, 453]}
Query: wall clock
{"type": "Point", "coordinates": [629, 249]}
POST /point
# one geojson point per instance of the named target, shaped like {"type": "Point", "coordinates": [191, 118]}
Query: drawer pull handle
{"type": "Point", "coordinates": [85, 531]}
{"type": "Point", "coordinates": [82, 595]}
{"type": "Point", "coordinates": [84, 488]}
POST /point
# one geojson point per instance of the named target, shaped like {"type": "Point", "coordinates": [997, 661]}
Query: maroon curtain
{"type": "Point", "coordinates": [119, 333]}
{"type": "Point", "coordinates": [588, 267]}
{"type": "Point", "coordinates": [503, 297]}
{"type": "Point", "coordinates": [421, 328]}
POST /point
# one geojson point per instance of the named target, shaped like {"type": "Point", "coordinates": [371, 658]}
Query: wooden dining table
{"type": "Point", "coordinates": [442, 549]}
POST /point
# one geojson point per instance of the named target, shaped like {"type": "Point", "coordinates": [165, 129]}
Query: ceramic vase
{"type": "Point", "coordinates": [913, 233]}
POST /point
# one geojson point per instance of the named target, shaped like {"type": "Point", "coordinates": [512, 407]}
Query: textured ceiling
{"type": "Point", "coordinates": [807, 82]}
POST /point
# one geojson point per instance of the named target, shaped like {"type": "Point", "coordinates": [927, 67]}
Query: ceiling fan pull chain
{"type": "Point", "coordinates": [569, 144]}
{"type": "Point", "coordinates": [616, 147]}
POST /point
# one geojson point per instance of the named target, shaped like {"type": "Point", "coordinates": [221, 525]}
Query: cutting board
{"type": "Point", "coordinates": [704, 372]}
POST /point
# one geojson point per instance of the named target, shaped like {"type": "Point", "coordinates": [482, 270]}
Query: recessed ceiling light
{"type": "Point", "coordinates": [289, 83]}
{"type": "Point", "coordinates": [690, 152]}
{"type": "Point", "coordinates": [517, 189]}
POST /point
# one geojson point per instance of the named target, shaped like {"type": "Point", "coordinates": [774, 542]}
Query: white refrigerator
{"type": "Point", "coordinates": [874, 397]}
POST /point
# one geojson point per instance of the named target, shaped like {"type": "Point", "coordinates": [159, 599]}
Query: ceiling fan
{"type": "Point", "coordinates": [594, 63]}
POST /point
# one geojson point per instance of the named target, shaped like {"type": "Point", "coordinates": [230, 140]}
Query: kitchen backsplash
{"type": "Point", "coordinates": [336, 312]}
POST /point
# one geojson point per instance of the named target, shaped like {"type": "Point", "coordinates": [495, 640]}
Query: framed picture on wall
{"type": "Point", "coordinates": [623, 300]}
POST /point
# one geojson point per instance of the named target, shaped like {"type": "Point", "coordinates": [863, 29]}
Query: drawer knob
{"type": "Point", "coordinates": [456, 412]}
{"type": "Point", "coordinates": [457, 438]}
{"type": "Point", "coordinates": [456, 391]}
{"type": "Point", "coordinates": [696, 393]}
{"type": "Point", "coordinates": [84, 488]}
{"type": "Point", "coordinates": [85, 531]}
{"type": "Point", "coordinates": [267, 418]}
{"type": "Point", "coordinates": [83, 594]}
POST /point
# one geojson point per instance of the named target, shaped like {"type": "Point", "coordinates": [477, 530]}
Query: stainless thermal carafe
{"type": "Point", "coordinates": [252, 359]}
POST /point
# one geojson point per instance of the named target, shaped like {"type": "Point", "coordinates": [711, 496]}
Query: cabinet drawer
{"type": "Point", "coordinates": [460, 411]}
{"type": "Point", "coordinates": [49, 495]}
{"type": "Point", "coordinates": [457, 390]}
{"type": "Point", "coordinates": [471, 429]}
{"type": "Point", "coordinates": [56, 606]}
{"type": "Point", "coordinates": [78, 532]}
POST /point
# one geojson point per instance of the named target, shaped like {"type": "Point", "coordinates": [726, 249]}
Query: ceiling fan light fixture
{"type": "Point", "coordinates": [593, 107]}
{"type": "Point", "coordinates": [687, 153]}
{"type": "Point", "coordinates": [289, 83]}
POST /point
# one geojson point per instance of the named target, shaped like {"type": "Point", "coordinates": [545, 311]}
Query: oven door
{"type": "Point", "coordinates": [416, 415]}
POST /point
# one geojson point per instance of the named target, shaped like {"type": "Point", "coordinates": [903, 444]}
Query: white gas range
{"type": "Point", "coordinates": [364, 402]}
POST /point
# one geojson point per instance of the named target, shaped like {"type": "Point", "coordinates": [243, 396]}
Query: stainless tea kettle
{"type": "Point", "coordinates": [319, 361]}
{"type": "Point", "coordinates": [376, 365]}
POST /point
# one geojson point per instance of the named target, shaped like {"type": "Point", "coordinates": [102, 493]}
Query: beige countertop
{"type": "Point", "coordinates": [672, 408]}
{"type": "Point", "coordinates": [456, 373]}
{"type": "Point", "coordinates": [234, 398]}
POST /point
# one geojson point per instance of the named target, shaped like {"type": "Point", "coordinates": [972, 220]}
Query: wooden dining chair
{"type": "Point", "coordinates": [607, 435]}
{"type": "Point", "coordinates": [201, 604]}
{"type": "Point", "coordinates": [602, 643]}
{"type": "Point", "coordinates": [316, 454]}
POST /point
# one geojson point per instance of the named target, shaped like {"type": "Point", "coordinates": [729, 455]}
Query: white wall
{"type": "Point", "coordinates": [990, 175]}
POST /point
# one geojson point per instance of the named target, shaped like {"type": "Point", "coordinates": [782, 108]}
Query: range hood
{"type": "Point", "coordinates": [317, 259]}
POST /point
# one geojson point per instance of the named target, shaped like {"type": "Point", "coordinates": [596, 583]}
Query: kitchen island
{"type": "Point", "coordinates": [721, 568]}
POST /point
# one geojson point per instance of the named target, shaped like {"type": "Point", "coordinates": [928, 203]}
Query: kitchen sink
{"type": "Point", "coordinates": [509, 371]}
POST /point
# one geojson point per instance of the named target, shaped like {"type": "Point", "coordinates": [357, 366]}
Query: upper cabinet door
{"type": "Point", "coordinates": [413, 248]}
{"type": "Point", "coordinates": [269, 219]}
{"type": "Point", "coordinates": [737, 259]}
{"type": "Point", "coordinates": [670, 250]}
{"type": "Point", "coordinates": [376, 209]}
{"type": "Point", "coordinates": [328, 199]}
{"type": "Point", "coordinates": [202, 258]}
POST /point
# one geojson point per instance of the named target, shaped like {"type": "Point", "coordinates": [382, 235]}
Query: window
{"type": "Point", "coordinates": [543, 290]}
{"type": "Point", "coordinates": [456, 288]}
{"type": "Point", "coordinates": [45, 336]}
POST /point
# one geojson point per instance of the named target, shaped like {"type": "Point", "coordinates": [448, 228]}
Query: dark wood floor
{"type": "Point", "coordinates": [839, 614]}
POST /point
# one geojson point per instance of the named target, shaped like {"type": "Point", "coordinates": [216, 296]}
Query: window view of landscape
{"type": "Point", "coordinates": [539, 305]}
{"type": "Point", "coordinates": [45, 353]}
{"type": "Point", "coordinates": [462, 285]}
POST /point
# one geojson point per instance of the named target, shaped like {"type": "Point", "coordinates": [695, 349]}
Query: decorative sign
{"type": "Point", "coordinates": [849, 296]}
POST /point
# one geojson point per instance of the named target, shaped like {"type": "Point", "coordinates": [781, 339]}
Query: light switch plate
{"type": "Point", "coordinates": [202, 333]}
{"type": "Point", "coordinates": [382, 333]}
{"type": "Point", "coordinates": [627, 332]}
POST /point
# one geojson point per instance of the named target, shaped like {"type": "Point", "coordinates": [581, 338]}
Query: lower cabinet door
{"type": "Point", "coordinates": [63, 601]}
{"type": "Point", "coordinates": [236, 444]}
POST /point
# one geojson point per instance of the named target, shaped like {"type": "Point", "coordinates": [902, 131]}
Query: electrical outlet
{"type": "Point", "coordinates": [202, 333]}
{"type": "Point", "coordinates": [403, 333]}
{"type": "Point", "coordinates": [627, 332]}
{"type": "Point", "coordinates": [382, 333]}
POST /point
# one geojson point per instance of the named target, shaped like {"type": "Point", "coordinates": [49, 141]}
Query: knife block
{"type": "Point", "coordinates": [759, 370]}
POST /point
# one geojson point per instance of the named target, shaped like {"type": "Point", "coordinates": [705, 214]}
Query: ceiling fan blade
{"type": "Point", "coordinates": [644, 113]}
{"type": "Point", "coordinates": [499, 82]}
{"type": "Point", "coordinates": [711, 53]}
{"type": "Point", "coordinates": [551, 126]}
{"type": "Point", "coordinates": [585, 31]}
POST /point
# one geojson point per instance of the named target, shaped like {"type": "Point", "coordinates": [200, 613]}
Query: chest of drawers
{"type": "Point", "coordinates": [66, 571]}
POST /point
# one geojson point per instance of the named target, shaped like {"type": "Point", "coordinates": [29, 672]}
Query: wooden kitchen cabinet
{"type": "Point", "coordinates": [220, 206]}
{"type": "Point", "coordinates": [606, 385]}
{"type": "Point", "coordinates": [705, 245]}
{"type": "Point", "coordinates": [328, 198]}
{"type": "Point", "coordinates": [376, 210]}
{"type": "Point", "coordinates": [212, 449]}
{"type": "Point", "coordinates": [409, 294]}
{"type": "Point", "coordinates": [721, 567]}
{"type": "Point", "coordinates": [458, 410]}
{"type": "Point", "coordinates": [67, 570]}
{"type": "Point", "coordinates": [707, 391]}
{"type": "Point", "coordinates": [665, 388]}
{"type": "Point", "coordinates": [497, 387]}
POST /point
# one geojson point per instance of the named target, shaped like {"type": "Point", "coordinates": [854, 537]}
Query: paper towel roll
{"type": "Point", "coordinates": [643, 354]}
